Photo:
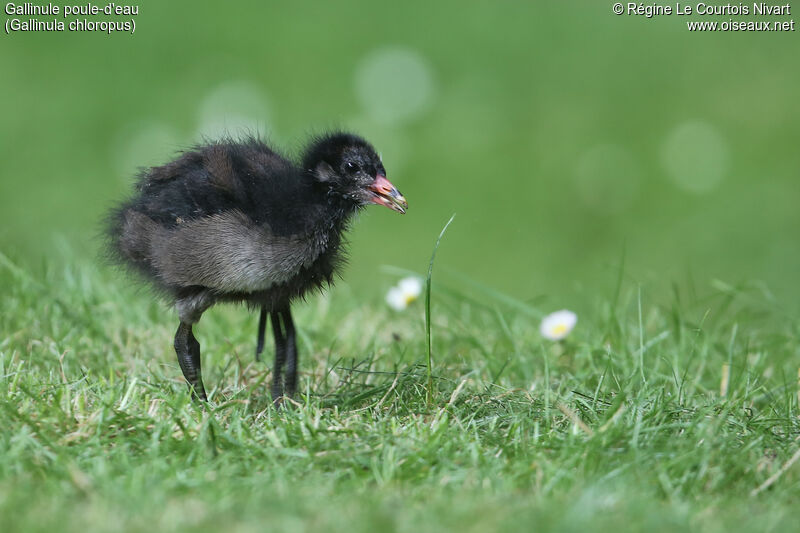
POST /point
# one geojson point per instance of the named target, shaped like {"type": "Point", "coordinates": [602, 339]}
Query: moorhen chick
{"type": "Point", "coordinates": [238, 222]}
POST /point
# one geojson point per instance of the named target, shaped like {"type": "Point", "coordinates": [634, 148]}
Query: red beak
{"type": "Point", "coordinates": [386, 194]}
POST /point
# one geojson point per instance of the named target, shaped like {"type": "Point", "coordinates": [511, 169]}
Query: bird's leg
{"type": "Point", "coordinates": [190, 307]}
{"type": "Point", "coordinates": [188, 350]}
{"type": "Point", "coordinates": [262, 326]}
{"type": "Point", "coordinates": [291, 352]}
{"type": "Point", "coordinates": [194, 350]}
{"type": "Point", "coordinates": [280, 359]}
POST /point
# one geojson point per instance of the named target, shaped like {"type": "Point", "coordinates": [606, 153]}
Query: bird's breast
{"type": "Point", "coordinates": [227, 252]}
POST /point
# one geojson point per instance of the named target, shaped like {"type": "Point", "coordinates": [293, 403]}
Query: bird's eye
{"type": "Point", "coordinates": [352, 167]}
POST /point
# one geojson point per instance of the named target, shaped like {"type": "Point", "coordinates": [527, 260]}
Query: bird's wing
{"type": "Point", "coordinates": [228, 253]}
{"type": "Point", "coordinates": [213, 179]}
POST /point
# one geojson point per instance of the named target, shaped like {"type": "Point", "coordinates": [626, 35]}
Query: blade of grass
{"type": "Point", "coordinates": [428, 311]}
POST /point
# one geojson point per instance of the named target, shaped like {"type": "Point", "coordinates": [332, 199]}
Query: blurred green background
{"type": "Point", "coordinates": [559, 133]}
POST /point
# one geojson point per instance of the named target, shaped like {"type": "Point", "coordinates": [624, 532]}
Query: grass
{"type": "Point", "coordinates": [664, 414]}
{"type": "Point", "coordinates": [428, 279]}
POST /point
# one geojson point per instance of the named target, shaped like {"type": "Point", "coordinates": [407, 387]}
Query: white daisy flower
{"type": "Point", "coordinates": [406, 291]}
{"type": "Point", "coordinates": [556, 326]}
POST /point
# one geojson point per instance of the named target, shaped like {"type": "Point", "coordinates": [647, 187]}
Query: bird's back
{"type": "Point", "coordinates": [214, 178]}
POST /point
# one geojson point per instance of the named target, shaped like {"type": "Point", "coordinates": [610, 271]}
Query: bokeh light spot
{"type": "Point", "coordinates": [144, 144]}
{"type": "Point", "coordinates": [394, 85]}
{"type": "Point", "coordinates": [607, 178]}
{"type": "Point", "coordinates": [695, 157]}
{"type": "Point", "coordinates": [233, 108]}
{"type": "Point", "coordinates": [392, 146]}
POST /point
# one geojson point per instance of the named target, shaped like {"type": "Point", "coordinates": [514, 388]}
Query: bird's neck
{"type": "Point", "coordinates": [338, 209]}
{"type": "Point", "coordinates": [338, 214]}
{"type": "Point", "coordinates": [321, 217]}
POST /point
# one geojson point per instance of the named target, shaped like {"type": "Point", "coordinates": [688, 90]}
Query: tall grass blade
{"type": "Point", "coordinates": [429, 394]}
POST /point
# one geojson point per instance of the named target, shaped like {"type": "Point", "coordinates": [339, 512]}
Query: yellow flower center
{"type": "Point", "coordinates": [559, 329]}
{"type": "Point", "coordinates": [410, 298]}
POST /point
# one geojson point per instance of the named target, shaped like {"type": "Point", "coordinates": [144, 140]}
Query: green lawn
{"type": "Point", "coordinates": [622, 426]}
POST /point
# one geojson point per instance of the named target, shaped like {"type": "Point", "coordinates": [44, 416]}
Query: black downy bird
{"type": "Point", "coordinates": [238, 222]}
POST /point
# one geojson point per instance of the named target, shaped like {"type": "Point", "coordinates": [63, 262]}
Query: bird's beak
{"type": "Point", "coordinates": [384, 193]}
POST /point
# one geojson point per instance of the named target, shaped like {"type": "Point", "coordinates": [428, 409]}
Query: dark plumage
{"type": "Point", "coordinates": [238, 222]}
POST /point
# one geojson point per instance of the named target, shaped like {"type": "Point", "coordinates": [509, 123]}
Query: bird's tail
{"type": "Point", "coordinates": [130, 234]}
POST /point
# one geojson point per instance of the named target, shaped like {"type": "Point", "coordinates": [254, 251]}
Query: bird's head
{"type": "Point", "coordinates": [351, 170]}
